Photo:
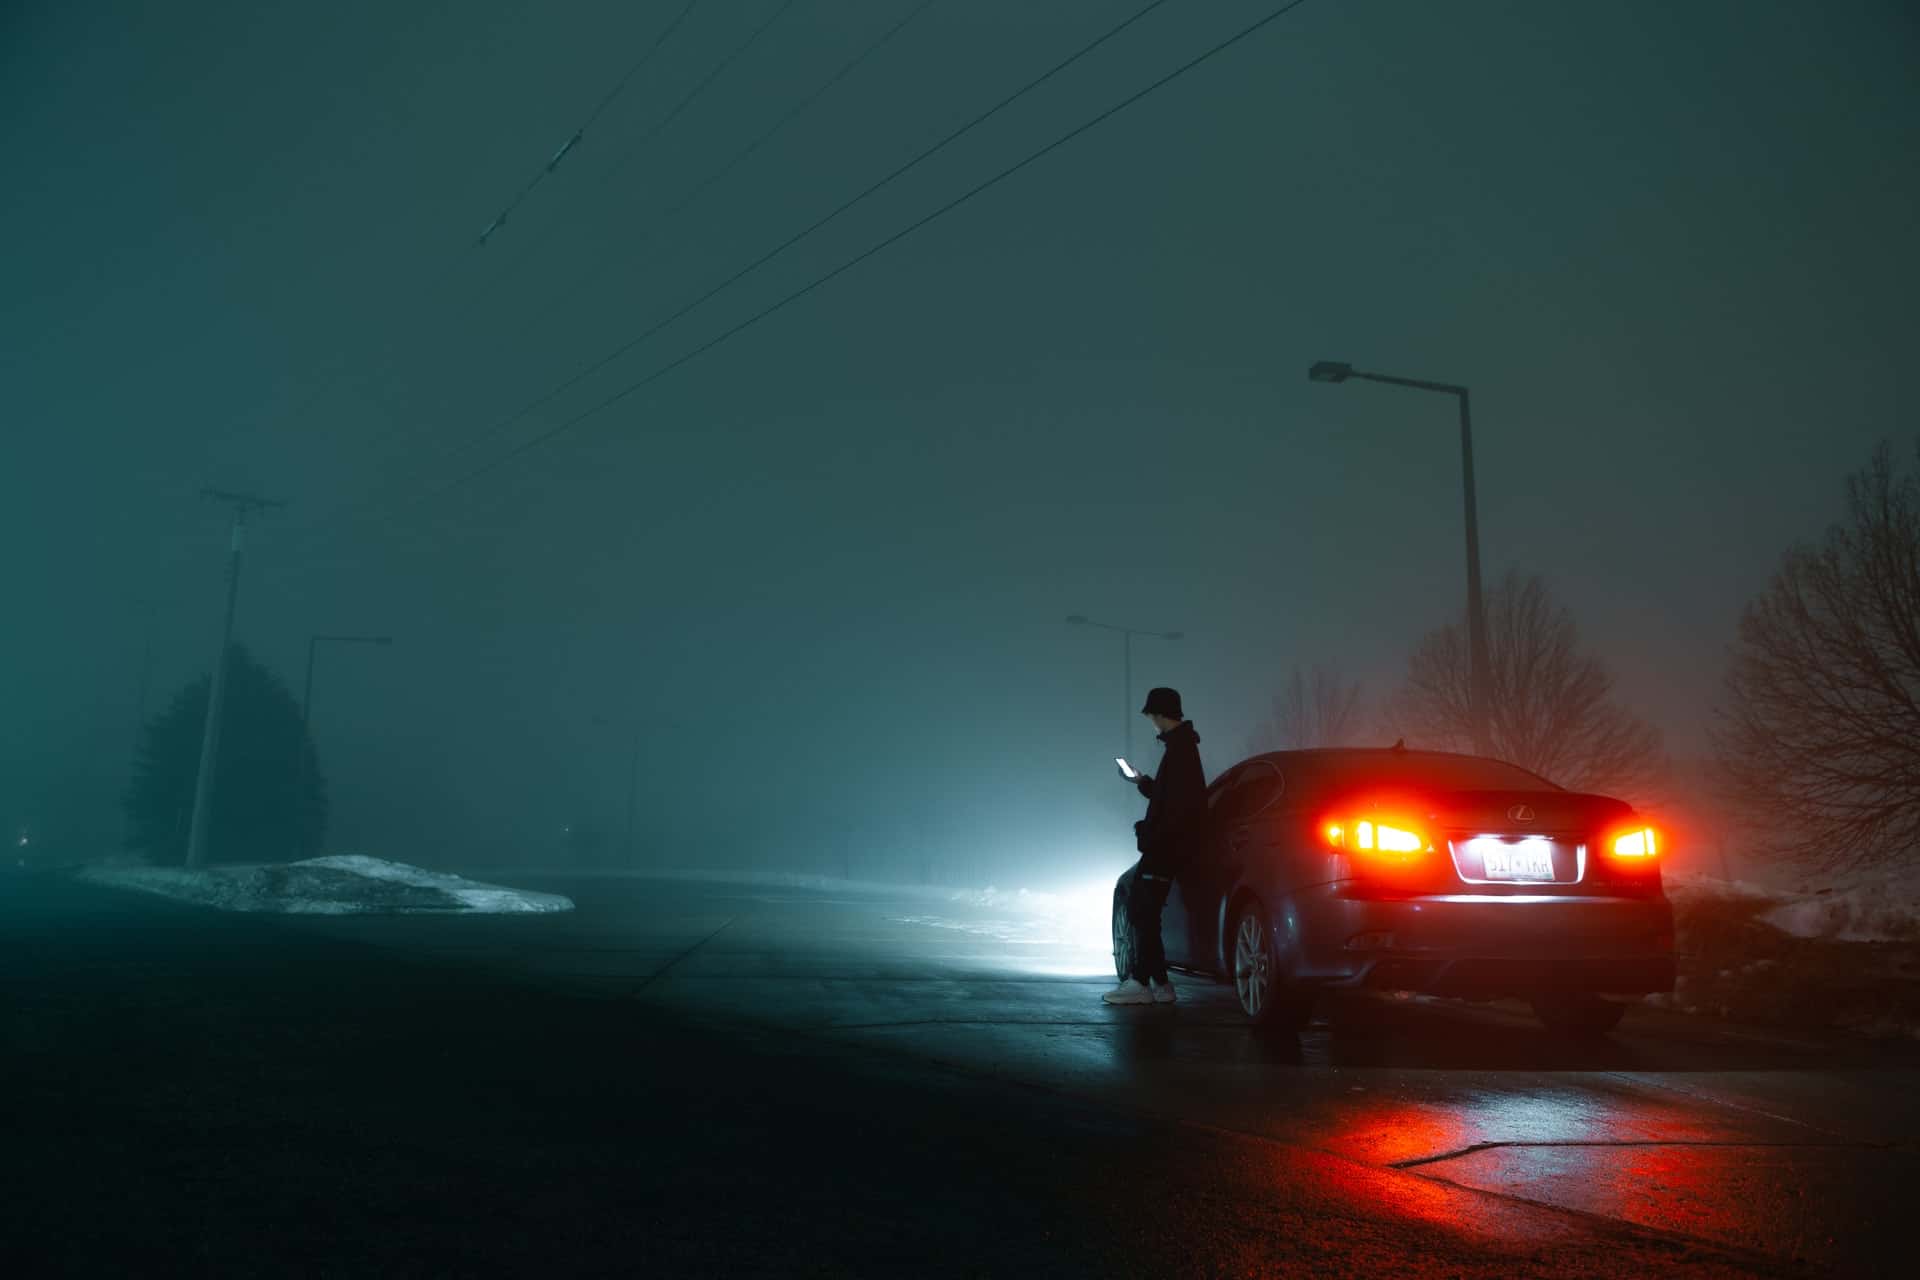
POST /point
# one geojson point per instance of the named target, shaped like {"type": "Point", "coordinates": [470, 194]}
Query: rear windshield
{"type": "Point", "coordinates": [1414, 770]}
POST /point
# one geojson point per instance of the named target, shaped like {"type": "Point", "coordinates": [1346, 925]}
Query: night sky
{"type": "Point", "coordinates": [822, 567]}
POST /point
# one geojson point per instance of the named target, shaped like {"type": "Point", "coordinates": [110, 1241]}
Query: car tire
{"type": "Point", "coordinates": [1578, 1014]}
{"type": "Point", "coordinates": [1267, 1002]}
{"type": "Point", "coordinates": [1125, 947]}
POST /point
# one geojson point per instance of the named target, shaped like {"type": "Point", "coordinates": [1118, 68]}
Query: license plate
{"type": "Point", "coordinates": [1524, 861]}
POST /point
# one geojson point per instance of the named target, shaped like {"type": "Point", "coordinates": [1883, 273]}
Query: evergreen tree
{"type": "Point", "coordinates": [268, 804]}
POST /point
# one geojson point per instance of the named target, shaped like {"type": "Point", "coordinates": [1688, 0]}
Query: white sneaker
{"type": "Point", "coordinates": [1163, 993]}
{"type": "Point", "coordinates": [1132, 991]}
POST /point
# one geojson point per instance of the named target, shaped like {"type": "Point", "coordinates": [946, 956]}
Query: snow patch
{"type": "Point", "coordinates": [1684, 884]}
{"type": "Point", "coordinates": [1856, 915]}
{"type": "Point", "coordinates": [336, 885]}
{"type": "Point", "coordinates": [1869, 907]}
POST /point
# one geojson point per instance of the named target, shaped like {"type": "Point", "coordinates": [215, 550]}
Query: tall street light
{"type": "Point", "coordinates": [1126, 648]}
{"type": "Point", "coordinates": [306, 698]}
{"type": "Point", "coordinates": [1479, 694]}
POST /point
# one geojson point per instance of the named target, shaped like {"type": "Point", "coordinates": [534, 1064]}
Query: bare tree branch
{"type": "Point", "coordinates": [1818, 730]}
{"type": "Point", "coordinates": [1320, 710]}
{"type": "Point", "coordinates": [1550, 706]}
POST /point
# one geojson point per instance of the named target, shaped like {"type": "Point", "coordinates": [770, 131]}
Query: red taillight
{"type": "Point", "coordinates": [1385, 838]}
{"type": "Point", "coordinates": [1640, 842]}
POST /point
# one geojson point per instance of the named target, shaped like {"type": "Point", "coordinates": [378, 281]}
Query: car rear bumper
{"type": "Point", "coordinates": [1477, 945]}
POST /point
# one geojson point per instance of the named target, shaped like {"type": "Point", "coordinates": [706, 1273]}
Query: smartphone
{"type": "Point", "coordinates": [1127, 771]}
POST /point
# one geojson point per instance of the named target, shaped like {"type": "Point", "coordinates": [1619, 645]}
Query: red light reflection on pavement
{"type": "Point", "coordinates": [1381, 1129]}
{"type": "Point", "coordinates": [1818, 1202]}
{"type": "Point", "coordinates": [1385, 1131]}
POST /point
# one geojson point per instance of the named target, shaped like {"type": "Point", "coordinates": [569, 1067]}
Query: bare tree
{"type": "Point", "coordinates": [1321, 710]}
{"type": "Point", "coordinates": [1819, 728]}
{"type": "Point", "coordinates": [1550, 706]}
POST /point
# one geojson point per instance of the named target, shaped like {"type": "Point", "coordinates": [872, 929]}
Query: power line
{"type": "Point", "coordinates": [459, 259]}
{"type": "Point", "coordinates": [733, 162]}
{"type": "Point", "coordinates": [686, 100]}
{"type": "Point", "coordinates": [660, 126]}
{"type": "Point", "coordinates": [822, 222]}
{"type": "Point", "coordinates": [606, 99]}
{"type": "Point", "coordinates": [754, 319]}
{"type": "Point", "coordinates": [1032, 157]}
{"type": "Point", "coordinates": [719, 69]}
{"type": "Point", "coordinates": [619, 87]}
{"type": "Point", "coordinates": [846, 205]}
{"type": "Point", "coordinates": [792, 113]}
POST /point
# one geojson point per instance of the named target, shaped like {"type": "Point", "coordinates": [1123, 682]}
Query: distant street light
{"type": "Point", "coordinates": [306, 699]}
{"type": "Point", "coordinates": [1126, 648]}
{"type": "Point", "coordinates": [1480, 691]}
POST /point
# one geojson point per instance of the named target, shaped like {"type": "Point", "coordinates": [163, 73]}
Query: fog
{"type": "Point", "coordinates": [819, 573]}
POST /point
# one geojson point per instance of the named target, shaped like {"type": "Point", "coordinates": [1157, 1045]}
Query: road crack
{"type": "Point", "coordinates": [1478, 1147]}
{"type": "Point", "coordinates": [664, 969]}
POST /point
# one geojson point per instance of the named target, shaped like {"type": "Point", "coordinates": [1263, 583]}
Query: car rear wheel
{"type": "Point", "coordinates": [1578, 1014]}
{"type": "Point", "coordinates": [1256, 976]}
{"type": "Point", "coordinates": [1124, 944]}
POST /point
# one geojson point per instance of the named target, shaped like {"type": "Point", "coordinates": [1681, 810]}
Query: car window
{"type": "Point", "coordinates": [1257, 787]}
{"type": "Point", "coordinates": [1222, 787]}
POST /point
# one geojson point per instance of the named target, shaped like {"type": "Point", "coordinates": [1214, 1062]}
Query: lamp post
{"type": "Point", "coordinates": [1126, 649]}
{"type": "Point", "coordinates": [306, 699]}
{"type": "Point", "coordinates": [1478, 695]}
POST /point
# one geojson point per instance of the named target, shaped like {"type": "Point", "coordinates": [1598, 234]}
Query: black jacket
{"type": "Point", "coordinates": [1176, 803]}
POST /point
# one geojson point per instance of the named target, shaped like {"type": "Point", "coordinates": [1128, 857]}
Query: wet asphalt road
{"type": "Point", "coordinates": [699, 1079]}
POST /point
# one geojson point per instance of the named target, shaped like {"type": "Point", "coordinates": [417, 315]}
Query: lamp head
{"type": "Point", "coordinates": [1329, 371]}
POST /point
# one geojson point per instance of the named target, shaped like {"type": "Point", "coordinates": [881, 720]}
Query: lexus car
{"type": "Point", "coordinates": [1422, 871]}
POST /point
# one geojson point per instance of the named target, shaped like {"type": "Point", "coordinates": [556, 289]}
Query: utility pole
{"type": "Point", "coordinates": [1126, 667]}
{"type": "Point", "coordinates": [1480, 674]}
{"type": "Point", "coordinates": [242, 503]}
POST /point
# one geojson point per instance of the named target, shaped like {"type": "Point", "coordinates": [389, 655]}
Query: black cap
{"type": "Point", "coordinates": [1163, 702]}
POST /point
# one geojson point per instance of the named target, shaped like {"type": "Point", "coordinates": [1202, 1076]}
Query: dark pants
{"type": "Point", "coordinates": [1144, 903]}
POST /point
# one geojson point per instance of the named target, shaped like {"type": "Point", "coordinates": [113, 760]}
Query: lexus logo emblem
{"type": "Point", "coordinates": [1521, 813]}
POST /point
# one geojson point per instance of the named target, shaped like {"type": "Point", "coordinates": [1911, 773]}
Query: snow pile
{"type": "Point", "coordinates": [339, 885]}
{"type": "Point", "coordinates": [1683, 884]}
{"type": "Point", "coordinates": [1862, 913]}
{"type": "Point", "coordinates": [1871, 907]}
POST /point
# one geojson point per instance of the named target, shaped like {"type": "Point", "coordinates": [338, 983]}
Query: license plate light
{"type": "Point", "coordinates": [1519, 861]}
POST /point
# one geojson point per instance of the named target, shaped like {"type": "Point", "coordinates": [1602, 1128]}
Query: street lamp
{"type": "Point", "coordinates": [1479, 693]}
{"type": "Point", "coordinates": [1126, 648]}
{"type": "Point", "coordinates": [306, 698]}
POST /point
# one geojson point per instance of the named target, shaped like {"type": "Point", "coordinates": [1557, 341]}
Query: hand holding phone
{"type": "Point", "coordinates": [1127, 771]}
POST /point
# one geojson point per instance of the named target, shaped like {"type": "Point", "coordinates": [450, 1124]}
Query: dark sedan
{"type": "Point", "coordinates": [1416, 871]}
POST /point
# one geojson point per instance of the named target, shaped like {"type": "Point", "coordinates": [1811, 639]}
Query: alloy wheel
{"type": "Point", "coordinates": [1122, 939]}
{"type": "Point", "coordinates": [1252, 966]}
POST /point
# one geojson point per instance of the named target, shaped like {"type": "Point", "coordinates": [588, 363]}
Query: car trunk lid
{"type": "Point", "coordinates": [1526, 841]}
